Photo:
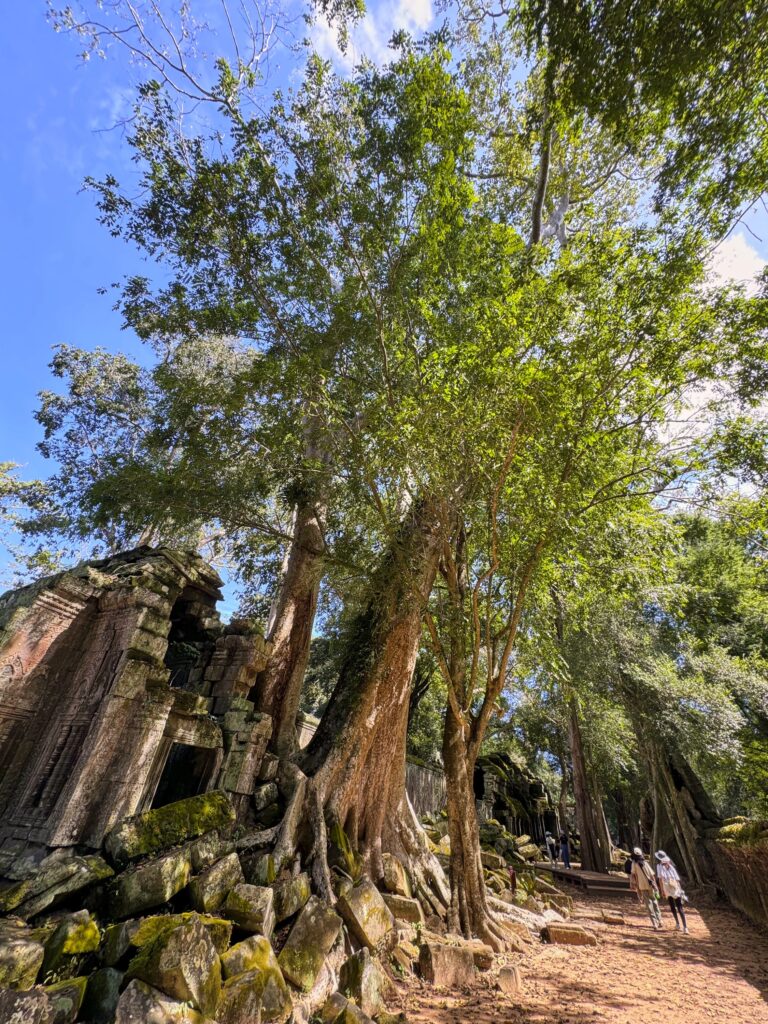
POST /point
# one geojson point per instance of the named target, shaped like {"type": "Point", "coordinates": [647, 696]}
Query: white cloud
{"type": "Point", "coordinates": [736, 261]}
{"type": "Point", "coordinates": [370, 38]}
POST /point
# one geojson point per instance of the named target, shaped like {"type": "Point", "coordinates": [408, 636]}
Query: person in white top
{"type": "Point", "coordinates": [671, 887]}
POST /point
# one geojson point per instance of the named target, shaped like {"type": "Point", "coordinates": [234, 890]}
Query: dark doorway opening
{"type": "Point", "coordinates": [187, 772]}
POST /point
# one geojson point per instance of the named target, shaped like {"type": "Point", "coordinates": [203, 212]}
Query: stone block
{"type": "Point", "coordinates": [251, 908]}
{"type": "Point", "coordinates": [264, 796]}
{"type": "Point", "coordinates": [150, 928]}
{"type": "Point", "coordinates": [309, 943]}
{"type": "Point", "coordinates": [510, 981]}
{"type": "Point", "coordinates": [182, 962]}
{"type": "Point", "coordinates": [446, 966]}
{"type": "Point", "coordinates": [142, 1004]}
{"type": "Point", "coordinates": [209, 848]}
{"type": "Point", "coordinates": [209, 889]}
{"type": "Point", "coordinates": [268, 768]}
{"type": "Point", "coordinates": [57, 878]}
{"type": "Point", "coordinates": [492, 861]}
{"type": "Point", "coordinates": [290, 896]}
{"type": "Point", "coordinates": [20, 962]}
{"type": "Point", "coordinates": [332, 1007]}
{"type": "Point", "coordinates": [168, 826]}
{"type": "Point", "coordinates": [117, 941]}
{"type": "Point", "coordinates": [404, 909]}
{"type": "Point", "coordinates": [259, 994]}
{"type": "Point", "coordinates": [101, 996]}
{"type": "Point", "coordinates": [352, 1014]}
{"type": "Point", "coordinates": [361, 980]}
{"type": "Point", "coordinates": [396, 880]}
{"type": "Point", "coordinates": [568, 934]}
{"type": "Point", "coordinates": [76, 935]}
{"type": "Point", "coordinates": [482, 955]}
{"type": "Point", "coordinates": [66, 998]}
{"type": "Point", "coordinates": [253, 953]}
{"type": "Point", "coordinates": [612, 917]}
{"type": "Point", "coordinates": [149, 884]}
{"type": "Point", "coordinates": [31, 1007]}
{"type": "Point", "coordinates": [366, 914]}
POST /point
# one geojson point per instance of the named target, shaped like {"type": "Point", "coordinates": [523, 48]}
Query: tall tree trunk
{"type": "Point", "coordinates": [278, 688]}
{"type": "Point", "coordinates": [469, 912]}
{"type": "Point", "coordinates": [683, 811]}
{"type": "Point", "coordinates": [562, 800]}
{"type": "Point", "coordinates": [355, 763]}
{"type": "Point", "coordinates": [627, 817]}
{"type": "Point", "coordinates": [594, 839]}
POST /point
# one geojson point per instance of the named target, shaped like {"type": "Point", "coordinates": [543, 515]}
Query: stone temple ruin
{"type": "Point", "coordinates": [120, 691]}
{"type": "Point", "coordinates": [137, 876]}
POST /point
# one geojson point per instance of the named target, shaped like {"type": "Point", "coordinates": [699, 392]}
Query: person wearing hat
{"type": "Point", "coordinates": [671, 887]}
{"type": "Point", "coordinates": [643, 881]}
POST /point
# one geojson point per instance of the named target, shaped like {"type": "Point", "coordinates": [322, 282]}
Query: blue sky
{"type": "Point", "coordinates": [57, 127]}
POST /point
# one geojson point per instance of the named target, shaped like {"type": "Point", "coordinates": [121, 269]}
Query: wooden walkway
{"type": "Point", "coordinates": [591, 881]}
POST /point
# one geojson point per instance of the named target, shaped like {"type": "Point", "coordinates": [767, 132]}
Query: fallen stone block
{"type": "Point", "coordinates": [493, 861]}
{"type": "Point", "coordinates": [482, 955]}
{"type": "Point", "coordinates": [149, 929]}
{"type": "Point", "coordinates": [404, 909]}
{"type": "Point", "coordinates": [367, 916]}
{"type": "Point", "coordinates": [164, 827]}
{"type": "Point", "coordinates": [209, 889]}
{"type": "Point", "coordinates": [206, 850]}
{"type": "Point", "coordinates": [149, 884]}
{"type": "Point", "coordinates": [57, 878]}
{"type": "Point", "coordinates": [352, 1014]}
{"type": "Point", "coordinates": [20, 962]}
{"type": "Point", "coordinates": [142, 1004]}
{"type": "Point", "coordinates": [568, 934]}
{"type": "Point", "coordinates": [290, 896]}
{"type": "Point", "coordinates": [612, 917]}
{"type": "Point", "coordinates": [182, 962]}
{"type": "Point", "coordinates": [446, 966]}
{"type": "Point", "coordinates": [510, 981]}
{"type": "Point", "coordinates": [396, 880]}
{"type": "Point", "coordinates": [30, 1007]}
{"type": "Point", "coordinates": [361, 980]}
{"type": "Point", "coordinates": [402, 960]}
{"type": "Point", "coordinates": [260, 994]}
{"type": "Point", "coordinates": [251, 908]}
{"type": "Point", "coordinates": [65, 999]}
{"type": "Point", "coordinates": [332, 1007]}
{"type": "Point", "coordinates": [517, 929]}
{"type": "Point", "coordinates": [101, 996]}
{"type": "Point", "coordinates": [76, 935]}
{"type": "Point", "coordinates": [309, 943]}
{"type": "Point", "coordinates": [264, 796]}
{"type": "Point", "coordinates": [254, 953]}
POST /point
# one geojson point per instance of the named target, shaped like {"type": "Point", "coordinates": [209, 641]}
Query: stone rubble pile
{"type": "Point", "coordinates": [177, 920]}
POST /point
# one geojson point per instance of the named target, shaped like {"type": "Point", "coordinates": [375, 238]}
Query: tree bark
{"type": "Point", "coordinates": [594, 839]}
{"type": "Point", "coordinates": [469, 913]}
{"type": "Point", "coordinates": [278, 688]}
{"type": "Point", "coordinates": [355, 763]}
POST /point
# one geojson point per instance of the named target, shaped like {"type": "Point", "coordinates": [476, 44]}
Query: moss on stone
{"type": "Point", "coordinates": [20, 962]}
{"type": "Point", "coordinates": [219, 929]}
{"type": "Point", "coordinates": [169, 826]}
{"type": "Point", "coordinates": [742, 832]}
{"type": "Point", "coordinates": [66, 998]}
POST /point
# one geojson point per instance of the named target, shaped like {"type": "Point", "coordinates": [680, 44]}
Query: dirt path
{"type": "Point", "coordinates": [634, 976]}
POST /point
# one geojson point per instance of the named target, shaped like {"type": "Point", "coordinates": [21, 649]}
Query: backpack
{"type": "Point", "coordinates": [628, 866]}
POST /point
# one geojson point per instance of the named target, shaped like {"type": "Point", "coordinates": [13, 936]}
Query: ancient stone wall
{"type": "Point", "coordinates": [115, 678]}
{"type": "Point", "coordinates": [739, 854]}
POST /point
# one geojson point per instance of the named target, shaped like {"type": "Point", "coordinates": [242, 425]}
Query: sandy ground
{"type": "Point", "coordinates": [719, 973]}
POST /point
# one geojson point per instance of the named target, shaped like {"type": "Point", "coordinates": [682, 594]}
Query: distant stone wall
{"type": "Point", "coordinates": [742, 874]}
{"type": "Point", "coordinates": [426, 789]}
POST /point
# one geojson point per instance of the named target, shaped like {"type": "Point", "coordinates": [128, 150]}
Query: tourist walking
{"type": "Point", "coordinates": [565, 849]}
{"type": "Point", "coordinates": [671, 887]}
{"type": "Point", "coordinates": [643, 881]}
